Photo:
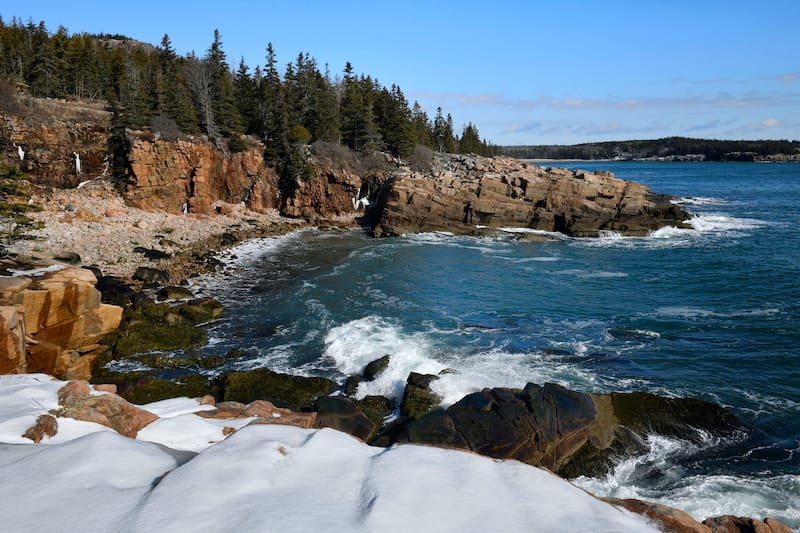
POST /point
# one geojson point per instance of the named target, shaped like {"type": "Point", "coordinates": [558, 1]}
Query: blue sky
{"type": "Point", "coordinates": [524, 72]}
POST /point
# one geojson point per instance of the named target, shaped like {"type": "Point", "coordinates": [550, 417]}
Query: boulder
{"type": "Point", "coordinates": [51, 323]}
{"type": "Point", "coordinates": [151, 275]}
{"type": "Point", "coordinates": [568, 432]}
{"type": "Point", "coordinates": [109, 410]}
{"type": "Point", "coordinates": [737, 524]}
{"type": "Point", "coordinates": [343, 414]}
{"type": "Point", "coordinates": [375, 368]}
{"type": "Point", "coordinates": [418, 398]}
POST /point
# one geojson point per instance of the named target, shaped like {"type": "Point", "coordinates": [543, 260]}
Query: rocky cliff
{"type": "Point", "coordinates": [51, 322]}
{"type": "Point", "coordinates": [58, 143]}
{"type": "Point", "coordinates": [465, 194]}
{"type": "Point", "coordinates": [192, 175]}
{"type": "Point", "coordinates": [461, 194]}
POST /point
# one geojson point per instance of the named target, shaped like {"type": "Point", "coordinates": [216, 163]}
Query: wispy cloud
{"type": "Point", "coordinates": [711, 125]}
{"type": "Point", "coordinates": [789, 76]}
{"type": "Point", "coordinates": [767, 124]}
{"type": "Point", "coordinates": [721, 99]}
{"type": "Point", "coordinates": [582, 128]}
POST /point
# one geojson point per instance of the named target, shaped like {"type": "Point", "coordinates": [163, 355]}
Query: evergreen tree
{"type": "Point", "coordinates": [223, 102]}
{"type": "Point", "coordinates": [274, 126]}
{"type": "Point", "coordinates": [443, 133]}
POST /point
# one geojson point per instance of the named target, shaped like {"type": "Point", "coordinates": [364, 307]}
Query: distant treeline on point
{"type": "Point", "coordinates": [667, 149]}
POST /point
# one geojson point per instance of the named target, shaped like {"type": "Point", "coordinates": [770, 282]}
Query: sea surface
{"type": "Point", "coordinates": [710, 312]}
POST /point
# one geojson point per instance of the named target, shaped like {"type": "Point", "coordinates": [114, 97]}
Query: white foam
{"type": "Point", "coordinates": [700, 200]}
{"type": "Point", "coordinates": [722, 223]}
{"type": "Point", "coordinates": [356, 343]}
{"type": "Point", "coordinates": [531, 231]}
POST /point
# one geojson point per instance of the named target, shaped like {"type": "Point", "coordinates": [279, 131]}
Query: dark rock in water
{"type": "Point", "coordinates": [234, 353]}
{"type": "Point", "coordinates": [152, 254]}
{"type": "Point", "coordinates": [175, 293]}
{"type": "Point", "coordinates": [376, 368]}
{"type": "Point", "coordinates": [151, 275]}
{"type": "Point", "coordinates": [570, 433]}
{"type": "Point", "coordinates": [351, 385]}
{"type": "Point", "coordinates": [377, 409]}
{"type": "Point", "coordinates": [643, 412]}
{"type": "Point", "coordinates": [343, 414]}
{"type": "Point", "coordinates": [211, 361]}
{"type": "Point", "coordinates": [200, 310]}
{"type": "Point", "coordinates": [283, 390]}
{"type": "Point", "coordinates": [418, 398]}
{"type": "Point", "coordinates": [71, 258]}
{"type": "Point", "coordinates": [115, 290]}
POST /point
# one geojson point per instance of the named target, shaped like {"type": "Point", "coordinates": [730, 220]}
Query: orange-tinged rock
{"type": "Point", "coordinates": [12, 342]}
{"type": "Point", "coordinates": [107, 409]}
{"type": "Point", "coordinates": [45, 425]}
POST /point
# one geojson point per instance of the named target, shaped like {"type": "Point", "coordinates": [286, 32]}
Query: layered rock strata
{"type": "Point", "coordinates": [52, 323]}
{"type": "Point", "coordinates": [466, 194]}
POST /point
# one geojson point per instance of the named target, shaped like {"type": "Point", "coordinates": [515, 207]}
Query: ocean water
{"type": "Point", "coordinates": [710, 312]}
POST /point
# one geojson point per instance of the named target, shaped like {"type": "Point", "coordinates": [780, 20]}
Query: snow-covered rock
{"type": "Point", "coordinates": [263, 478]}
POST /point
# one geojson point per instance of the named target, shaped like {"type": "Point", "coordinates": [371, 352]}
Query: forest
{"type": "Point", "coordinates": [676, 148]}
{"type": "Point", "coordinates": [153, 87]}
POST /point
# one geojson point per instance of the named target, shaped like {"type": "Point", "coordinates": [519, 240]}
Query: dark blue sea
{"type": "Point", "coordinates": [710, 312]}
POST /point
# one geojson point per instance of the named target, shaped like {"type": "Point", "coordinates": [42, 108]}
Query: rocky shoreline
{"type": "Point", "coordinates": [105, 280]}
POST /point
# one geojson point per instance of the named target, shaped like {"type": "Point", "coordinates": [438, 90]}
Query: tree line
{"type": "Point", "coordinates": [153, 87]}
{"type": "Point", "coordinates": [670, 147]}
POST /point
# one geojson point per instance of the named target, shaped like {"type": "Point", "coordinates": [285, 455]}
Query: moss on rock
{"type": "Point", "coordinates": [283, 390]}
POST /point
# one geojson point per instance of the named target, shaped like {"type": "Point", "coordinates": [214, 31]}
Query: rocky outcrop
{"type": "Point", "coordinates": [328, 194]}
{"type": "Point", "coordinates": [51, 132]}
{"type": "Point", "coordinates": [570, 433]}
{"type": "Point", "coordinates": [193, 175]}
{"type": "Point", "coordinates": [468, 193]}
{"type": "Point", "coordinates": [677, 521]}
{"type": "Point", "coordinates": [52, 323]}
{"type": "Point", "coordinates": [78, 402]}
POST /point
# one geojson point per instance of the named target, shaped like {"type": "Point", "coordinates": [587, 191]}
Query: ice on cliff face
{"type": "Point", "coordinates": [268, 478]}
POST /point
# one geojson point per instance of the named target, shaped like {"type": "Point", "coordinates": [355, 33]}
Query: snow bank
{"type": "Point", "coordinates": [267, 478]}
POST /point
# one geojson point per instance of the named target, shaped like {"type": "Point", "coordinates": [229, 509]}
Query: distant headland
{"type": "Point", "coordinates": [666, 149]}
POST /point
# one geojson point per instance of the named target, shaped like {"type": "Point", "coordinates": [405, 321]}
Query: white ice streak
{"type": "Point", "coordinates": [33, 272]}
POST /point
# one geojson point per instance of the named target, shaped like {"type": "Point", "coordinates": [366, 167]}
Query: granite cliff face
{"type": "Point", "coordinates": [465, 194]}
{"type": "Point", "coordinates": [193, 175]}
{"type": "Point", "coordinates": [51, 322]}
{"type": "Point", "coordinates": [50, 133]}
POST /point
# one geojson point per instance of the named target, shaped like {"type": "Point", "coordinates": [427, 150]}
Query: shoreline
{"type": "Point", "coordinates": [92, 227]}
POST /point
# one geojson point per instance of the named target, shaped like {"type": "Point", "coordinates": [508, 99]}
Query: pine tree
{"type": "Point", "coordinates": [443, 133]}
{"type": "Point", "coordinates": [274, 126]}
{"type": "Point", "coordinates": [223, 101]}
